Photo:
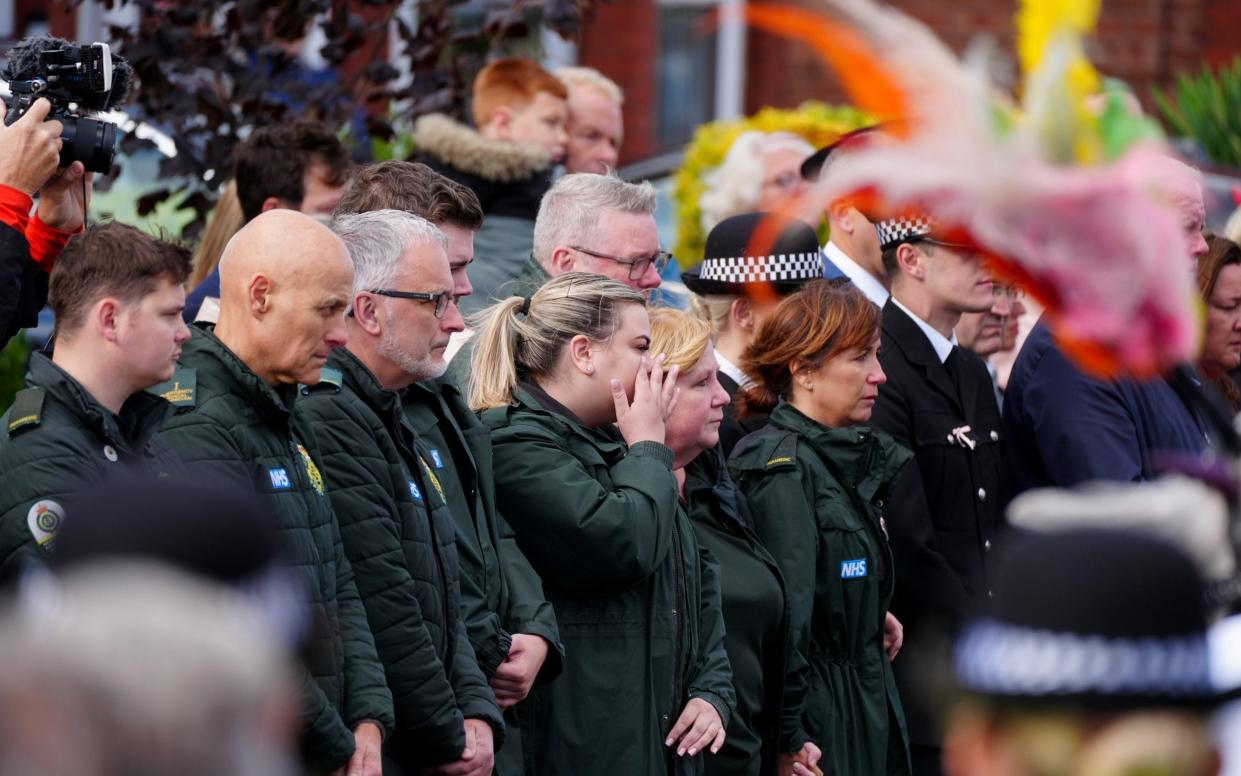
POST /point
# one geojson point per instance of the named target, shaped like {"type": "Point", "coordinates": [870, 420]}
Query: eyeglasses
{"type": "Point", "coordinates": [1012, 292]}
{"type": "Point", "coordinates": [637, 267]}
{"type": "Point", "coordinates": [787, 181]}
{"type": "Point", "coordinates": [439, 298]}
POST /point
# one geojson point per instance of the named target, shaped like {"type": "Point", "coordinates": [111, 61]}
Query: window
{"type": "Point", "coordinates": [701, 73]}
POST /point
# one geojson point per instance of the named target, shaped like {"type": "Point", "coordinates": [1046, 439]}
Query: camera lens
{"type": "Point", "coordinates": [93, 143]}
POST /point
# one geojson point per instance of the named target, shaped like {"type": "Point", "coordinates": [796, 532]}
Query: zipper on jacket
{"type": "Point", "coordinates": [422, 467]}
{"type": "Point", "coordinates": [679, 614]}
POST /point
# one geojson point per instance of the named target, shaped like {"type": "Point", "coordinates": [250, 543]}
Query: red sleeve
{"type": "Point", "coordinates": [46, 242]}
{"type": "Point", "coordinates": [15, 207]}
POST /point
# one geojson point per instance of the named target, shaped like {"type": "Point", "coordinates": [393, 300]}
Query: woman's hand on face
{"type": "Point", "coordinates": [654, 399]}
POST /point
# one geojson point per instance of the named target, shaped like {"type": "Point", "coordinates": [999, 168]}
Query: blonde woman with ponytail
{"type": "Point", "coordinates": [816, 481]}
{"type": "Point", "coordinates": [578, 410]}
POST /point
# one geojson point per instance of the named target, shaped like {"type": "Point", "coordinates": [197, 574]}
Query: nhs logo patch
{"type": "Point", "coordinates": [435, 456]}
{"type": "Point", "coordinates": [279, 479]}
{"type": "Point", "coordinates": [414, 491]}
{"type": "Point", "coordinates": [853, 569]}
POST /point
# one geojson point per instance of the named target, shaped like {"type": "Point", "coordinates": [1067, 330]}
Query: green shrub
{"type": "Point", "coordinates": [1207, 108]}
{"type": "Point", "coordinates": [13, 361]}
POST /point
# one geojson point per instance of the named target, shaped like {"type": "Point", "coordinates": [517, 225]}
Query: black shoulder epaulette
{"type": "Point", "coordinates": [784, 453]}
{"type": "Point", "coordinates": [181, 390]}
{"type": "Point", "coordinates": [766, 449]}
{"type": "Point", "coordinates": [27, 410]}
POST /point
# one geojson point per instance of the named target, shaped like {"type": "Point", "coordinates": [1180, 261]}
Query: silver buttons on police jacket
{"type": "Point", "coordinates": [986, 545]}
{"type": "Point", "coordinates": [982, 494]}
{"type": "Point", "coordinates": [995, 436]}
{"type": "Point", "coordinates": [109, 452]}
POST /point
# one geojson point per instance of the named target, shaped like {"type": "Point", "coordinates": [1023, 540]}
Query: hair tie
{"type": "Point", "coordinates": [525, 306]}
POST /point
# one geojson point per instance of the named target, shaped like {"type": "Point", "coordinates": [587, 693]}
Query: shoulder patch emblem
{"type": "Point", "coordinates": [312, 471]}
{"type": "Point", "coordinates": [853, 569]}
{"type": "Point", "coordinates": [181, 390]}
{"type": "Point", "coordinates": [45, 519]}
{"type": "Point", "coordinates": [436, 458]}
{"type": "Point", "coordinates": [435, 481]}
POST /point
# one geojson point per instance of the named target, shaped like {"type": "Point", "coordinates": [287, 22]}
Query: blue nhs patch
{"type": "Point", "coordinates": [413, 491]}
{"type": "Point", "coordinates": [435, 456]}
{"type": "Point", "coordinates": [853, 569]}
{"type": "Point", "coordinates": [279, 479]}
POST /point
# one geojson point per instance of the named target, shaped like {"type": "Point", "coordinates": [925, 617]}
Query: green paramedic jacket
{"type": "Point", "coordinates": [500, 591]}
{"type": "Point", "coordinates": [57, 440]}
{"type": "Point", "coordinates": [239, 427]}
{"type": "Point", "coordinates": [637, 600]}
{"type": "Point", "coordinates": [817, 495]}
{"type": "Point", "coordinates": [401, 543]}
{"type": "Point", "coordinates": [758, 633]}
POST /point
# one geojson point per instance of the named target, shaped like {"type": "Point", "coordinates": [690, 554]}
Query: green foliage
{"type": "Point", "coordinates": [1207, 108]}
{"type": "Point", "coordinates": [13, 360]}
{"type": "Point", "coordinates": [397, 146]}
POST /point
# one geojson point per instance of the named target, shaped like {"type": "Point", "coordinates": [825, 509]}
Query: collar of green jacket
{"type": "Point", "coordinates": [272, 403]}
{"type": "Point", "coordinates": [711, 492]}
{"type": "Point", "coordinates": [531, 397]}
{"type": "Point", "coordinates": [531, 278]}
{"type": "Point", "coordinates": [858, 456]}
{"type": "Point", "coordinates": [434, 390]}
{"type": "Point", "coordinates": [362, 381]}
{"type": "Point", "coordinates": [141, 415]}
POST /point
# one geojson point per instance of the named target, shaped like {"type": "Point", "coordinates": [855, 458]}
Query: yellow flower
{"type": "Point", "coordinates": [1039, 21]}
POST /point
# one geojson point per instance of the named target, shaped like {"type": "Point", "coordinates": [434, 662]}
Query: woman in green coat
{"type": "Point", "coordinates": [765, 732]}
{"type": "Point", "coordinates": [817, 482]}
{"type": "Point", "coordinates": [577, 412]}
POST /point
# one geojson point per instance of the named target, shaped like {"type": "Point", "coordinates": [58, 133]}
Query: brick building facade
{"type": "Point", "coordinates": [1143, 42]}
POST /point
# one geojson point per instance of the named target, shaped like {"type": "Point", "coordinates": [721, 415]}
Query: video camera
{"type": "Point", "coordinates": [86, 77]}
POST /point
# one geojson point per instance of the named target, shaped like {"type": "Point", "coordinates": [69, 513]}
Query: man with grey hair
{"type": "Point", "coordinates": [588, 223]}
{"type": "Point", "coordinates": [395, 523]}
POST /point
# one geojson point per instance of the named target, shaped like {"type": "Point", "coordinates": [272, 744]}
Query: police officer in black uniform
{"type": "Point", "coordinates": [938, 402]}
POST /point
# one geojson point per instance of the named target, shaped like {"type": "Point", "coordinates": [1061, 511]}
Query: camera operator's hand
{"type": "Point", "coordinates": [64, 199]}
{"type": "Point", "coordinates": [30, 148]}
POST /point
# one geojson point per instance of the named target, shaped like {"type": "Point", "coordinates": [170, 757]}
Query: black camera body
{"type": "Point", "coordinates": [66, 76]}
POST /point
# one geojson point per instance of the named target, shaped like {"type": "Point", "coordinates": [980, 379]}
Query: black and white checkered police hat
{"type": "Point", "coordinates": [1090, 618]}
{"type": "Point", "coordinates": [735, 259]}
{"type": "Point", "coordinates": [908, 227]}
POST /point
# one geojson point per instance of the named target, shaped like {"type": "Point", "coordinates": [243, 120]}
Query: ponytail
{"type": "Point", "coordinates": [493, 365]}
{"type": "Point", "coordinates": [523, 336]}
{"type": "Point", "coordinates": [757, 400]}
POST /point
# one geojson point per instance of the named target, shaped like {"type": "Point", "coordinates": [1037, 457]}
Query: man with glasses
{"type": "Point", "coordinates": [588, 223]}
{"type": "Point", "coordinates": [396, 526]}
{"type": "Point", "coordinates": [938, 402]}
{"type": "Point", "coordinates": [993, 331]}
